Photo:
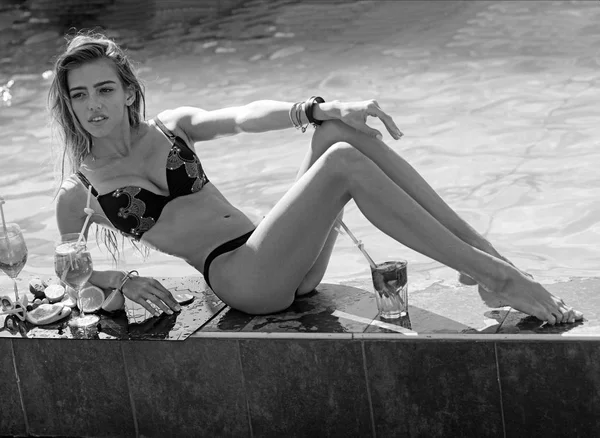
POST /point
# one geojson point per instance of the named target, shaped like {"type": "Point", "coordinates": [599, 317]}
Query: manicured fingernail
{"type": "Point", "coordinates": [177, 308]}
{"type": "Point", "coordinates": [379, 136]}
{"type": "Point", "coordinates": [169, 311]}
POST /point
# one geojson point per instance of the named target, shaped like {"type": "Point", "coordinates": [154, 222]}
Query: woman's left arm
{"type": "Point", "coordinates": [271, 115]}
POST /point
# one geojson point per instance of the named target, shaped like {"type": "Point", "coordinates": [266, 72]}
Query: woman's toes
{"type": "Point", "coordinates": [551, 319]}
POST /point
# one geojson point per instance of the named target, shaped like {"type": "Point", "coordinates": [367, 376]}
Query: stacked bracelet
{"type": "Point", "coordinates": [309, 110]}
{"type": "Point", "coordinates": [307, 107]}
{"type": "Point", "coordinates": [128, 276]}
{"type": "Point", "coordinates": [295, 118]}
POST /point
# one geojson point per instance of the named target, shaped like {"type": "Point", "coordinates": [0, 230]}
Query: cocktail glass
{"type": "Point", "coordinates": [391, 289]}
{"type": "Point", "coordinates": [73, 265]}
{"type": "Point", "coordinates": [13, 253]}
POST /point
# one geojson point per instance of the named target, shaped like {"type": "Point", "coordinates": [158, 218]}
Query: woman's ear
{"type": "Point", "coordinates": [130, 96]}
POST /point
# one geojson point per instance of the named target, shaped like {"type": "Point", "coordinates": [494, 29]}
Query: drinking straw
{"type": "Point", "coordinates": [88, 211]}
{"type": "Point", "coordinates": [358, 243]}
{"type": "Point", "coordinates": [4, 226]}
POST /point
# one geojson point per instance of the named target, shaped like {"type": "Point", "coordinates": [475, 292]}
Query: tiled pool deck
{"type": "Point", "coordinates": [325, 367]}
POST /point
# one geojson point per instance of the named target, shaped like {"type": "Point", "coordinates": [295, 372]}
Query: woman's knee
{"type": "Point", "coordinates": [344, 159]}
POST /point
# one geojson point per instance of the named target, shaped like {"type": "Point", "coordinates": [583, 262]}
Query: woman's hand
{"type": "Point", "coordinates": [355, 114]}
{"type": "Point", "coordinates": [149, 293]}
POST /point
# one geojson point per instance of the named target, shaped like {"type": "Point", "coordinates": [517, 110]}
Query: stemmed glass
{"type": "Point", "coordinates": [73, 265]}
{"type": "Point", "coordinates": [13, 253]}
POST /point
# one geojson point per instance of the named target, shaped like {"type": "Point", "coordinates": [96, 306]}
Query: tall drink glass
{"type": "Point", "coordinates": [13, 253]}
{"type": "Point", "coordinates": [73, 265]}
{"type": "Point", "coordinates": [391, 289]}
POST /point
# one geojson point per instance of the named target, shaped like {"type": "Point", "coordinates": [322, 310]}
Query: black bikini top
{"type": "Point", "coordinates": [134, 210]}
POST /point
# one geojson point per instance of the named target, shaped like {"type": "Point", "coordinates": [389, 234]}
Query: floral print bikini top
{"type": "Point", "coordinates": [134, 210]}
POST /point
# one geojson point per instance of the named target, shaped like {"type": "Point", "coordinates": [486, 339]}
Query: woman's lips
{"type": "Point", "coordinates": [98, 120]}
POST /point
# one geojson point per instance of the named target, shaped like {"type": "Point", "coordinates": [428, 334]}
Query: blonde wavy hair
{"type": "Point", "coordinates": [81, 49]}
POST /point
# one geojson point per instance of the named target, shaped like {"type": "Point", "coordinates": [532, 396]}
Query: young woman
{"type": "Point", "coordinates": [148, 183]}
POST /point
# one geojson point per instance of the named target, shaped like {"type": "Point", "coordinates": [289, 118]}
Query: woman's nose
{"type": "Point", "coordinates": [93, 104]}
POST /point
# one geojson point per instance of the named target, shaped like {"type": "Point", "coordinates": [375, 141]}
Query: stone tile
{"type": "Point", "coordinates": [580, 293]}
{"type": "Point", "coordinates": [73, 387]}
{"type": "Point", "coordinates": [12, 418]}
{"type": "Point", "coordinates": [444, 389]}
{"type": "Point", "coordinates": [306, 388]}
{"type": "Point", "coordinates": [550, 388]}
{"type": "Point", "coordinates": [191, 388]}
{"type": "Point", "coordinates": [458, 303]}
{"type": "Point", "coordinates": [315, 312]}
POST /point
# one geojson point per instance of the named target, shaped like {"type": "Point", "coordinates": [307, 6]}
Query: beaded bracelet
{"type": "Point", "coordinates": [310, 102]}
{"type": "Point", "coordinates": [128, 276]}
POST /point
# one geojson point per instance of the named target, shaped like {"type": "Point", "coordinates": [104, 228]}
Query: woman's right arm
{"type": "Point", "coordinates": [70, 218]}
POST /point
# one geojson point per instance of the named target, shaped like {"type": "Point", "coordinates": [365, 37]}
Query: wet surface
{"type": "Point", "coordinates": [331, 308]}
{"type": "Point", "coordinates": [436, 310]}
{"type": "Point", "coordinates": [122, 326]}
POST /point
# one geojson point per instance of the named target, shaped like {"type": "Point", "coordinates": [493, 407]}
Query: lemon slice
{"type": "Point", "coordinates": [91, 299]}
{"type": "Point", "coordinates": [115, 301]}
{"type": "Point", "coordinates": [54, 293]}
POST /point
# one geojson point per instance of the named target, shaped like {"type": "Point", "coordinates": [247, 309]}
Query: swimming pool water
{"type": "Point", "coordinates": [498, 102]}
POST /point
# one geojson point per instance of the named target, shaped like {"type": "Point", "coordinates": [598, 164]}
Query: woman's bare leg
{"type": "Point", "coordinates": [407, 178]}
{"type": "Point", "coordinates": [320, 142]}
{"type": "Point", "coordinates": [263, 275]}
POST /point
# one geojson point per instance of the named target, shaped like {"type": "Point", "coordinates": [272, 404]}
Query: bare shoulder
{"type": "Point", "coordinates": [178, 119]}
{"type": "Point", "coordinates": [70, 202]}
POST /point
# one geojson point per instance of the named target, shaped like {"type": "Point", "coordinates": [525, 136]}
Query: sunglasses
{"type": "Point", "coordinates": [9, 307]}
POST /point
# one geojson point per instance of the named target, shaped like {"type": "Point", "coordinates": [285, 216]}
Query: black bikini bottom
{"type": "Point", "coordinates": [222, 249]}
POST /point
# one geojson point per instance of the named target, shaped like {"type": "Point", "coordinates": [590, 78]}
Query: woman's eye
{"type": "Point", "coordinates": [105, 90]}
{"type": "Point", "coordinates": [76, 96]}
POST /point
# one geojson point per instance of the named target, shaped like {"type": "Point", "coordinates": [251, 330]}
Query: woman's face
{"type": "Point", "coordinates": [98, 98]}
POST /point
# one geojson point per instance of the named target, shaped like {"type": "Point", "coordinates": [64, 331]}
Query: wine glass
{"type": "Point", "coordinates": [73, 265]}
{"type": "Point", "coordinates": [13, 253]}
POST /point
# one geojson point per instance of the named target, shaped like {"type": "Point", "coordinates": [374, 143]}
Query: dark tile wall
{"type": "Point", "coordinates": [306, 388]}
{"type": "Point", "coordinates": [446, 389]}
{"type": "Point", "coordinates": [12, 419]}
{"type": "Point", "coordinates": [187, 389]}
{"type": "Point", "coordinates": [74, 387]}
{"type": "Point", "coordinates": [550, 388]}
{"type": "Point", "coordinates": [301, 387]}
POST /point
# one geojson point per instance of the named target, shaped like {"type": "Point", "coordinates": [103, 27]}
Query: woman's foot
{"type": "Point", "coordinates": [528, 296]}
{"type": "Point", "coordinates": [468, 281]}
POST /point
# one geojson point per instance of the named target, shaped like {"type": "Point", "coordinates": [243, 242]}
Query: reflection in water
{"type": "Point", "coordinates": [498, 102]}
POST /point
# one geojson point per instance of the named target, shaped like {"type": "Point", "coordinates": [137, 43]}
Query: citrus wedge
{"type": "Point", "coordinates": [36, 287]}
{"type": "Point", "coordinates": [54, 293]}
{"type": "Point", "coordinates": [115, 301]}
{"type": "Point", "coordinates": [47, 313]}
{"type": "Point", "coordinates": [183, 298]}
{"type": "Point", "coordinates": [68, 301]}
{"type": "Point", "coordinates": [91, 298]}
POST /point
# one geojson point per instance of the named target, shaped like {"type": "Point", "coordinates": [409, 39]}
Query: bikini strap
{"type": "Point", "coordinates": [86, 183]}
{"type": "Point", "coordinates": [163, 128]}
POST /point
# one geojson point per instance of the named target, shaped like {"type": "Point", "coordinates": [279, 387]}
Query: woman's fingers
{"type": "Point", "coordinates": [375, 110]}
{"type": "Point", "coordinates": [146, 305]}
{"type": "Point", "coordinates": [159, 304]}
{"type": "Point", "coordinates": [152, 296]}
{"type": "Point", "coordinates": [166, 296]}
